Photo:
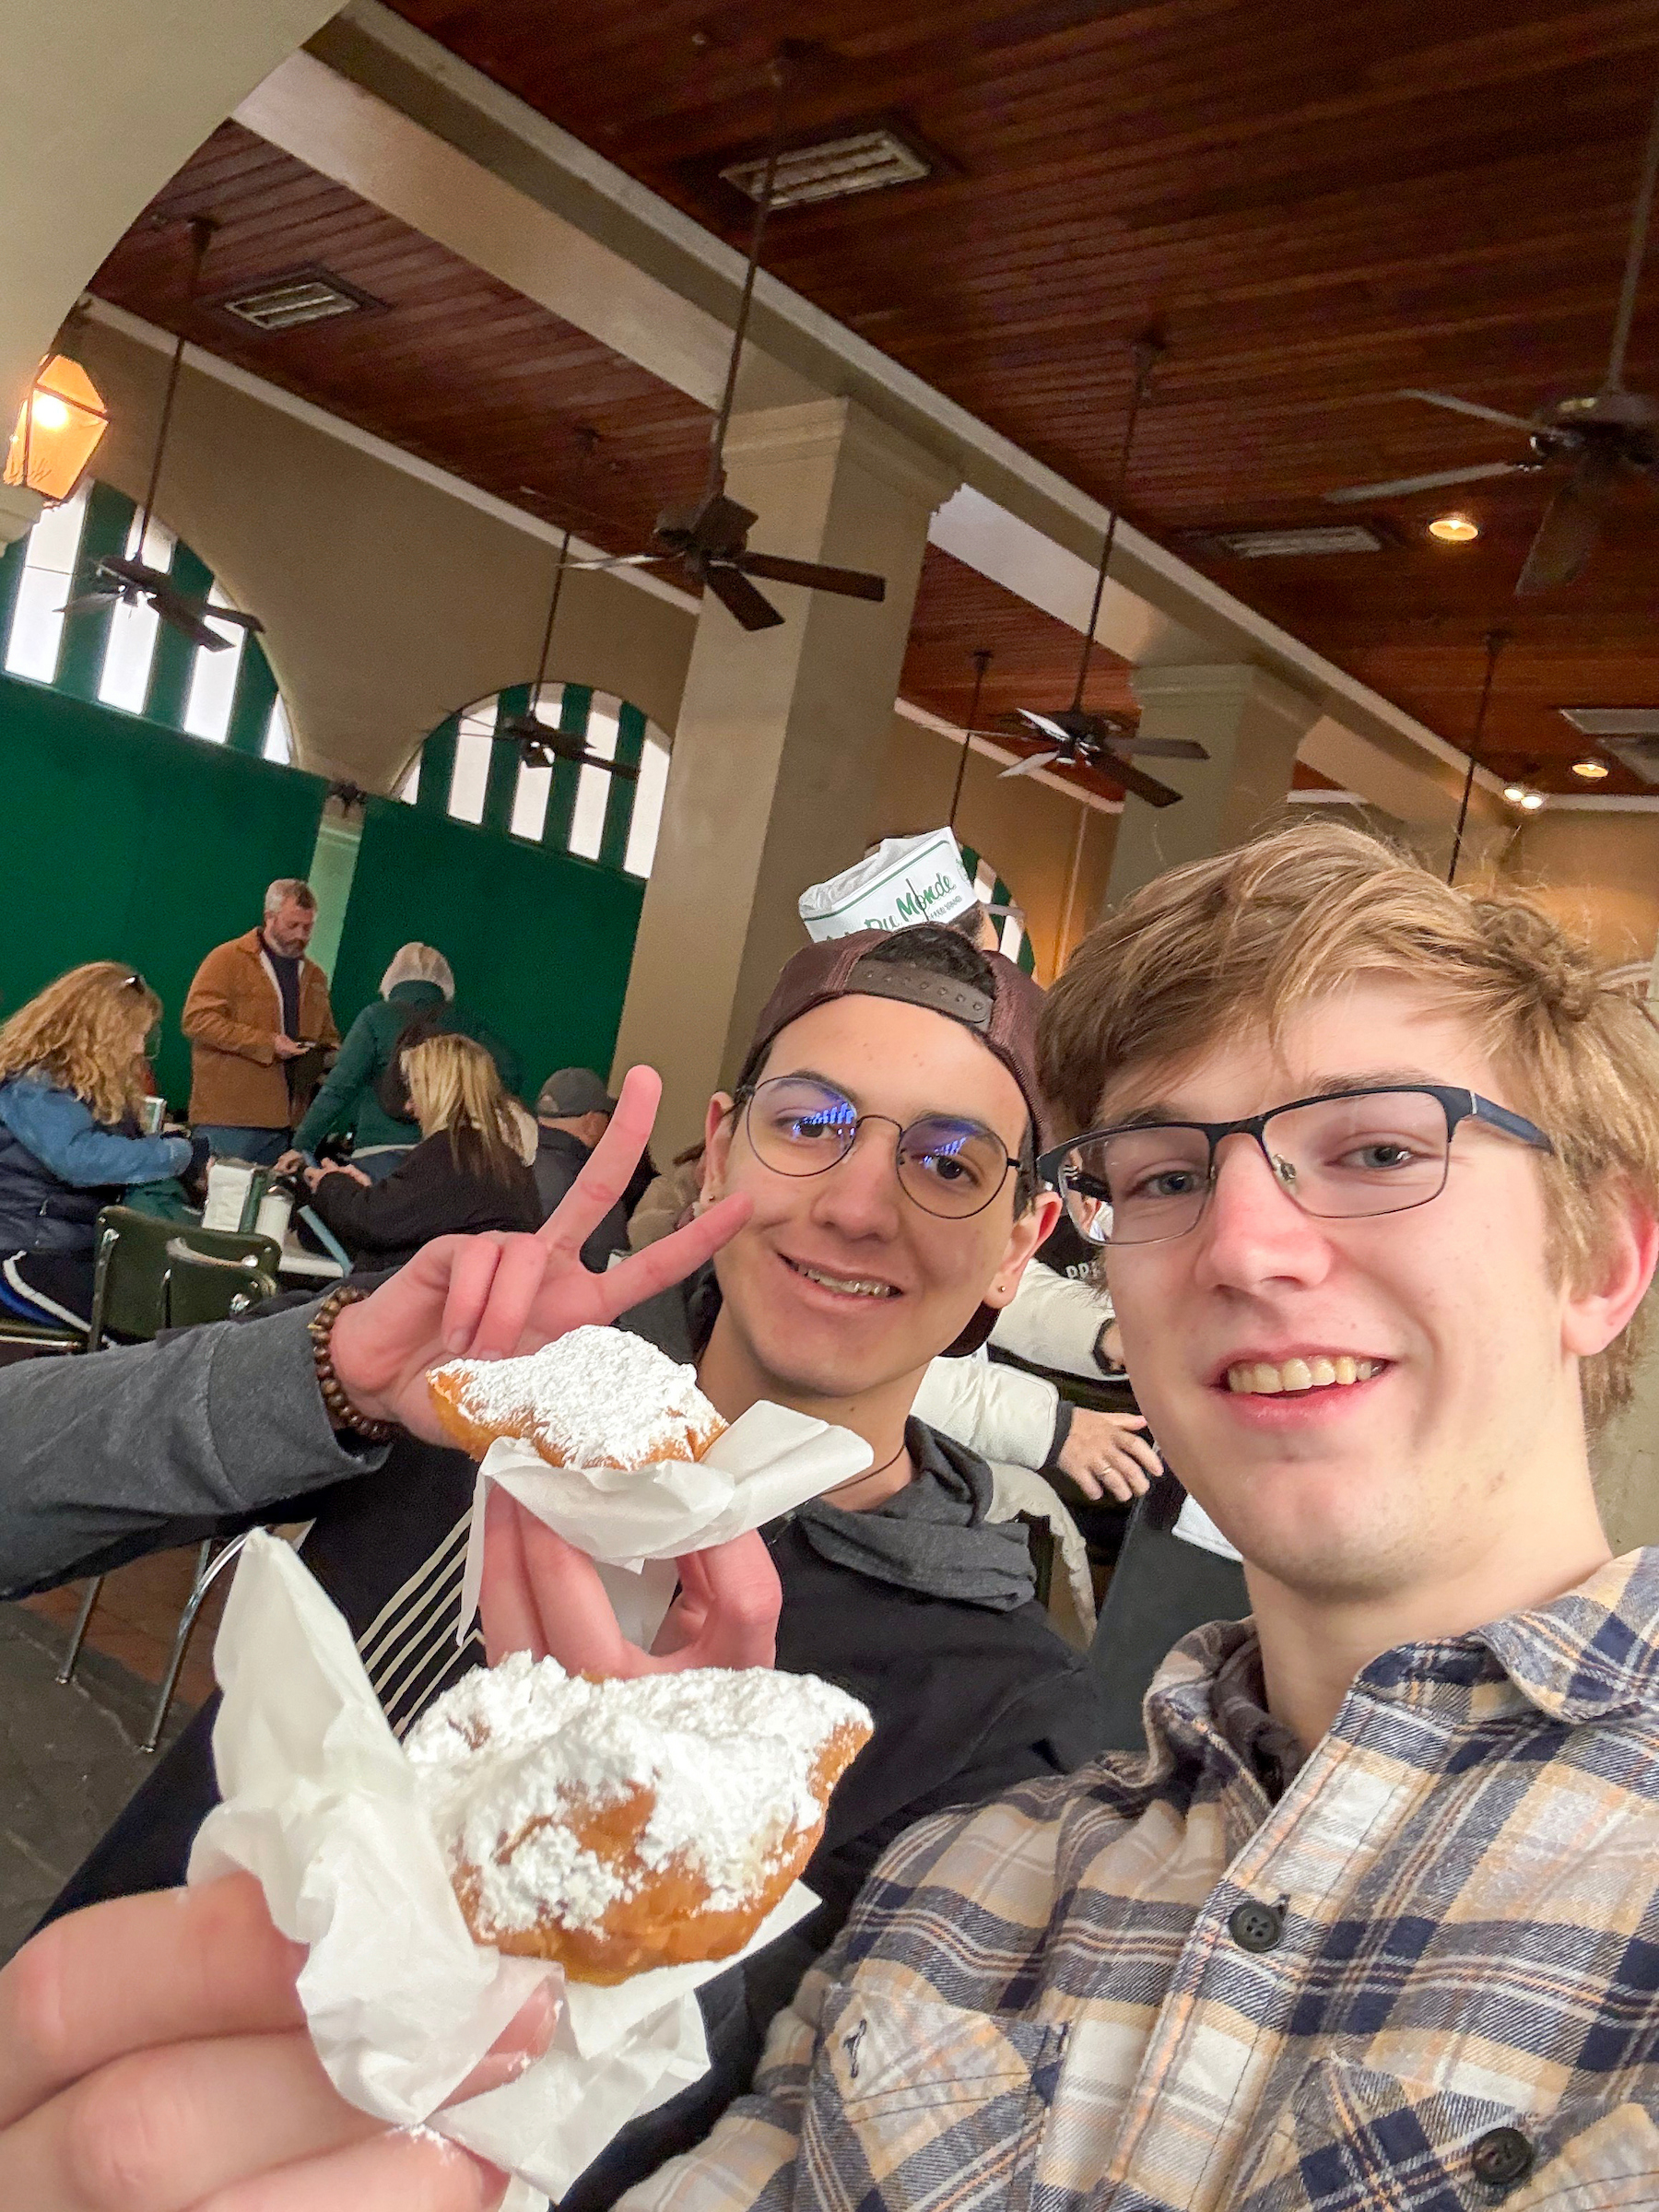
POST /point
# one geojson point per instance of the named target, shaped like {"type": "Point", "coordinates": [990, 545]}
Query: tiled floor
{"type": "Point", "coordinates": [69, 1757]}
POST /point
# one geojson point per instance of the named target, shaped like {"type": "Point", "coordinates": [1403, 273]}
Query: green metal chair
{"type": "Point", "coordinates": [138, 1256]}
{"type": "Point", "coordinates": [129, 1289]}
{"type": "Point", "coordinates": [202, 1286]}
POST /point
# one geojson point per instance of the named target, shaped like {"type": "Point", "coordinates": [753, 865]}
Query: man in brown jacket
{"type": "Point", "coordinates": [255, 1006]}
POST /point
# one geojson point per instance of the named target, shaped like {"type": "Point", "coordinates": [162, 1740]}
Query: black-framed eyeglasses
{"type": "Point", "coordinates": [1342, 1155]}
{"type": "Point", "coordinates": [947, 1165]}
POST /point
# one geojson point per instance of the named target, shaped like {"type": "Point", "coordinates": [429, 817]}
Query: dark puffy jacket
{"type": "Point", "coordinates": [427, 1196]}
{"type": "Point", "coordinates": [59, 1166]}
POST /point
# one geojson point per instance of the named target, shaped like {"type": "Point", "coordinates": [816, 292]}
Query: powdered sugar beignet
{"type": "Point", "coordinates": [595, 1398]}
{"type": "Point", "coordinates": [617, 1825]}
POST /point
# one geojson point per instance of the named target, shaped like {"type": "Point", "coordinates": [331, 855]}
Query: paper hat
{"type": "Point", "coordinates": [905, 880]}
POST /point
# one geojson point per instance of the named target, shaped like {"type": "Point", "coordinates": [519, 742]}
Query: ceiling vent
{"type": "Point", "coordinates": [1614, 721]}
{"type": "Point", "coordinates": [1295, 543]}
{"type": "Point", "coordinates": [834, 168]}
{"type": "Point", "coordinates": [293, 300]}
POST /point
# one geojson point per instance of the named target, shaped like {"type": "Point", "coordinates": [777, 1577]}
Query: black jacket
{"type": "Point", "coordinates": [559, 1158]}
{"type": "Point", "coordinates": [426, 1196]}
{"type": "Point", "coordinates": [969, 1699]}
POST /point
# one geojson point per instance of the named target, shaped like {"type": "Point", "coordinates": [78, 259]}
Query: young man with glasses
{"type": "Point", "coordinates": [883, 1139]}
{"type": "Point", "coordinates": [1375, 1169]}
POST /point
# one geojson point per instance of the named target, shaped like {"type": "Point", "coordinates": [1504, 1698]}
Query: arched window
{"type": "Point", "coordinates": [124, 656]}
{"type": "Point", "coordinates": [469, 771]}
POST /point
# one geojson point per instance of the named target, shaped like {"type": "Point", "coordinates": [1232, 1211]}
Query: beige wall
{"type": "Point", "coordinates": [1026, 831]}
{"type": "Point", "coordinates": [387, 602]}
{"type": "Point", "coordinates": [1598, 873]}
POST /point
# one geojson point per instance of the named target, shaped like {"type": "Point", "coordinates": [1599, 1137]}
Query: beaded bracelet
{"type": "Point", "coordinates": [342, 1413]}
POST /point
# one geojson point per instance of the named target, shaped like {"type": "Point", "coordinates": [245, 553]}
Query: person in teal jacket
{"type": "Point", "coordinates": [418, 985]}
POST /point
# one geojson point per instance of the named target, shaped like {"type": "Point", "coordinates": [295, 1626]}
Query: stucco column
{"type": "Point", "coordinates": [778, 741]}
{"type": "Point", "coordinates": [1250, 723]}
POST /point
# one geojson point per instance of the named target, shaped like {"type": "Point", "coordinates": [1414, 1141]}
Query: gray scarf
{"type": "Point", "coordinates": [933, 1535]}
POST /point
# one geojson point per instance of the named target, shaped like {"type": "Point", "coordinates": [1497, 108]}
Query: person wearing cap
{"type": "Point", "coordinates": [883, 1135]}
{"type": "Point", "coordinates": [572, 1113]}
{"type": "Point", "coordinates": [1053, 1321]}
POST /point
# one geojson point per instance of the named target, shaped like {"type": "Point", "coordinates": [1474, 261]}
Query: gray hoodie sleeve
{"type": "Point", "coordinates": [130, 1450]}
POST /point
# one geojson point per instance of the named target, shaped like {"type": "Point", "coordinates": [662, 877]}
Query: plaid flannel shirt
{"type": "Point", "coordinates": [1426, 1976]}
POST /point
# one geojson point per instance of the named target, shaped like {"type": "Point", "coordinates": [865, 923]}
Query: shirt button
{"type": "Point", "coordinates": [1257, 1927]}
{"type": "Point", "coordinates": [1502, 2158]}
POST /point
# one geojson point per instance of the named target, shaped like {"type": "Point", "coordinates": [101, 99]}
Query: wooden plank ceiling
{"type": "Point", "coordinates": [1317, 206]}
{"type": "Point", "coordinates": [466, 373]}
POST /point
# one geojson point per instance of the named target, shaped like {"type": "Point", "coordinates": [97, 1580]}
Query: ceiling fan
{"type": "Point", "coordinates": [538, 744]}
{"type": "Point", "coordinates": [1079, 736]}
{"type": "Point", "coordinates": [127, 578]}
{"type": "Point", "coordinates": [710, 538]}
{"type": "Point", "coordinates": [1601, 437]}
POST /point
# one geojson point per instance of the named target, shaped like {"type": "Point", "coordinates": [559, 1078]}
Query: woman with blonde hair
{"type": "Point", "coordinates": [467, 1173]}
{"type": "Point", "coordinates": [74, 1073]}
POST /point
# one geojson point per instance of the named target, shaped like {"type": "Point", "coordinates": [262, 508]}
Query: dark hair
{"type": "Point", "coordinates": [941, 948]}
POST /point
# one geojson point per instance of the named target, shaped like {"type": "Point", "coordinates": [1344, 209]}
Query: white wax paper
{"type": "Point", "coordinates": [635, 1522]}
{"type": "Point", "coordinates": [320, 1804]}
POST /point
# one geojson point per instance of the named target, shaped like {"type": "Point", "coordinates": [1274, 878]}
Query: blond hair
{"type": "Point", "coordinates": [1210, 949]}
{"type": "Point", "coordinates": [455, 1086]}
{"type": "Point", "coordinates": [85, 1033]}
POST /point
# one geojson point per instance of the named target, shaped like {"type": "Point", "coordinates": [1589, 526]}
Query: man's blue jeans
{"type": "Point", "coordinates": [260, 1148]}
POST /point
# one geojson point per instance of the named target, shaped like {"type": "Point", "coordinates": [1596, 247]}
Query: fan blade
{"type": "Point", "coordinates": [135, 572]}
{"type": "Point", "coordinates": [1160, 748]}
{"type": "Point", "coordinates": [812, 576]}
{"type": "Point", "coordinates": [1436, 480]}
{"type": "Point", "coordinates": [185, 617]}
{"type": "Point", "coordinates": [618, 560]}
{"type": "Point", "coordinates": [89, 601]}
{"type": "Point", "coordinates": [1572, 526]}
{"type": "Point", "coordinates": [1049, 727]}
{"type": "Point", "coordinates": [1118, 770]}
{"type": "Point", "coordinates": [740, 597]}
{"type": "Point", "coordinates": [1027, 767]}
{"type": "Point", "coordinates": [1467, 407]}
{"type": "Point", "coordinates": [230, 614]}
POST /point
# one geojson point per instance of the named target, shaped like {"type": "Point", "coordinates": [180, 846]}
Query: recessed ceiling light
{"type": "Point", "coordinates": [833, 168]}
{"type": "Point", "coordinates": [1514, 792]}
{"type": "Point", "coordinates": [1590, 767]}
{"type": "Point", "coordinates": [1531, 801]}
{"type": "Point", "coordinates": [1454, 529]}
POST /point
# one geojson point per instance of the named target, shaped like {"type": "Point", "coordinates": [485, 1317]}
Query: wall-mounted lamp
{"type": "Point", "coordinates": [58, 430]}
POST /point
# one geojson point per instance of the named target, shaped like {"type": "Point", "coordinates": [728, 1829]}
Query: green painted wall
{"type": "Point", "coordinates": [121, 840]}
{"type": "Point", "coordinates": [540, 942]}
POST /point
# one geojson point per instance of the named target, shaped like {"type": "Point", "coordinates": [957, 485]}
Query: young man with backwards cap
{"type": "Point", "coordinates": [883, 1134]}
{"type": "Point", "coordinates": [1375, 1166]}
{"type": "Point", "coordinates": [1052, 1320]}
